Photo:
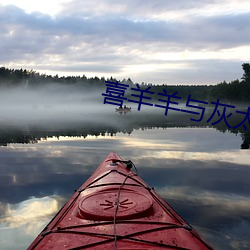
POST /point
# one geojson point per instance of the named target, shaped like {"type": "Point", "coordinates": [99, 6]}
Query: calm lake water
{"type": "Point", "coordinates": [199, 170]}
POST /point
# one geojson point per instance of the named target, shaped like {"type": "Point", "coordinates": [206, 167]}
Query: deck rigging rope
{"type": "Point", "coordinates": [116, 237]}
{"type": "Point", "coordinates": [129, 165]}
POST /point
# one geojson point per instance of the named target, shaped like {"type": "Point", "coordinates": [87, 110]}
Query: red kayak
{"type": "Point", "coordinates": [116, 209]}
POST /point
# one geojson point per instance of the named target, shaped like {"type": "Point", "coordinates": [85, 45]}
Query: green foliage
{"type": "Point", "coordinates": [234, 91]}
{"type": "Point", "coordinates": [32, 79]}
{"type": "Point", "coordinates": [246, 75]}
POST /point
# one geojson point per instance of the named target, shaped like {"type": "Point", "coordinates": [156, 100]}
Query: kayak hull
{"type": "Point", "coordinates": [116, 209]}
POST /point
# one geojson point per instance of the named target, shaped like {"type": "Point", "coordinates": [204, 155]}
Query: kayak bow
{"type": "Point", "coordinates": [116, 209]}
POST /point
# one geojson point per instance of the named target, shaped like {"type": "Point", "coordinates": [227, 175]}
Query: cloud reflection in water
{"type": "Point", "coordinates": [199, 171]}
{"type": "Point", "coordinates": [21, 222]}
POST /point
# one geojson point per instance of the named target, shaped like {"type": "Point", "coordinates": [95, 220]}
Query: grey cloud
{"type": "Point", "coordinates": [196, 72]}
{"type": "Point", "coordinates": [135, 8]}
{"type": "Point", "coordinates": [97, 38]}
{"type": "Point", "coordinates": [83, 68]}
{"type": "Point", "coordinates": [220, 31]}
{"type": "Point", "coordinates": [202, 32]}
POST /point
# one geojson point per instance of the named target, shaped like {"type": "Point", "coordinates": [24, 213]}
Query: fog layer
{"type": "Point", "coordinates": [55, 102]}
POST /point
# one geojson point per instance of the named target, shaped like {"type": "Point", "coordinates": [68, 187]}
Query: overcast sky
{"type": "Point", "coordinates": [157, 41]}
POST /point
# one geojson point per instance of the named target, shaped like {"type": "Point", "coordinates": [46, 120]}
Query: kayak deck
{"type": "Point", "coordinates": [116, 209]}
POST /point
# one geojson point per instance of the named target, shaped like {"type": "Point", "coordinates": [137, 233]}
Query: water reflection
{"type": "Point", "coordinates": [201, 172]}
{"type": "Point", "coordinates": [33, 209]}
{"type": "Point", "coordinates": [21, 221]}
{"type": "Point", "coordinates": [107, 123]}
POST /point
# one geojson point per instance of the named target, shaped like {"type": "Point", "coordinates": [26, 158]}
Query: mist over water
{"type": "Point", "coordinates": [192, 164]}
{"type": "Point", "coordinates": [55, 100]}
{"type": "Point", "coordinates": [50, 103]}
{"type": "Point", "coordinates": [59, 106]}
{"type": "Point", "coordinates": [28, 114]}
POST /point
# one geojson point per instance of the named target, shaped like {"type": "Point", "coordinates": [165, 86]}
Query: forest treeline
{"type": "Point", "coordinates": [234, 91]}
{"type": "Point", "coordinates": [29, 133]}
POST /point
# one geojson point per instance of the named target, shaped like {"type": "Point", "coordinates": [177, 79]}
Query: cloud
{"type": "Point", "coordinates": [123, 30]}
{"type": "Point", "coordinates": [229, 204]}
{"type": "Point", "coordinates": [127, 39]}
{"type": "Point", "coordinates": [26, 220]}
{"type": "Point", "coordinates": [29, 210]}
{"type": "Point", "coordinates": [150, 9]}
